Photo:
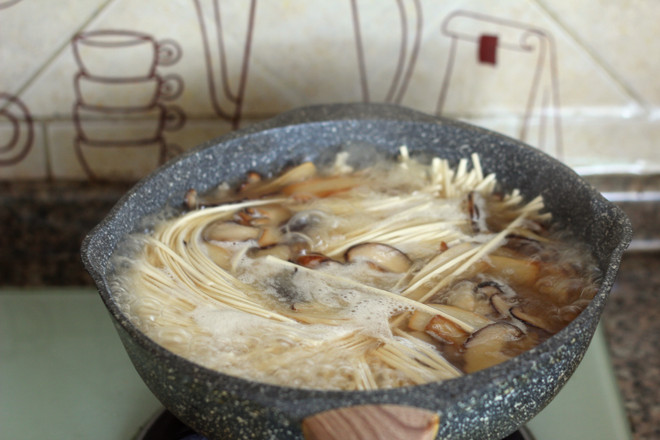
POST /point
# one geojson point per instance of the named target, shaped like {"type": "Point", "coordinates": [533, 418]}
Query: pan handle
{"type": "Point", "coordinates": [367, 422]}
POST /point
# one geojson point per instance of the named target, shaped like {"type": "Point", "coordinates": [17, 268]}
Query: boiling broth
{"type": "Point", "coordinates": [398, 274]}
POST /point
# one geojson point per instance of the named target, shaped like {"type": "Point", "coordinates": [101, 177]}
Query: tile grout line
{"type": "Point", "coordinates": [49, 175]}
{"type": "Point", "coordinates": [645, 106]}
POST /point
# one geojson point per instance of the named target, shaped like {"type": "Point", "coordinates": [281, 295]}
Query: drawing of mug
{"type": "Point", "coordinates": [113, 54]}
{"type": "Point", "coordinates": [101, 126]}
{"type": "Point", "coordinates": [126, 94]}
{"type": "Point", "coordinates": [121, 162]}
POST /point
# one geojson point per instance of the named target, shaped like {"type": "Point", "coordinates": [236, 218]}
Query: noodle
{"type": "Point", "coordinates": [394, 275]}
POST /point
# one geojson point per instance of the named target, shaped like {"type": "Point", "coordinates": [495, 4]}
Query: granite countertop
{"type": "Point", "coordinates": [43, 224]}
{"type": "Point", "coordinates": [632, 327]}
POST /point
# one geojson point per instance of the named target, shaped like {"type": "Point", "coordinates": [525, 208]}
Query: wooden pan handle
{"type": "Point", "coordinates": [368, 422]}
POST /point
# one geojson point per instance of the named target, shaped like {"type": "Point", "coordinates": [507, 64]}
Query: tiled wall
{"type": "Point", "coordinates": [108, 89]}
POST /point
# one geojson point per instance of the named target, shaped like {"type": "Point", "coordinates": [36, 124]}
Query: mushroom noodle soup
{"type": "Point", "coordinates": [397, 274]}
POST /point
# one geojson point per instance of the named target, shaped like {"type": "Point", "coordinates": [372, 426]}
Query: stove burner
{"type": "Point", "coordinates": [521, 434]}
{"type": "Point", "coordinates": [164, 426]}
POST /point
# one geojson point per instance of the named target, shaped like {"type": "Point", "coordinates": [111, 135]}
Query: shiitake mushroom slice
{"type": "Point", "coordinates": [486, 347]}
{"type": "Point", "coordinates": [471, 321]}
{"type": "Point", "coordinates": [252, 178]}
{"type": "Point", "coordinates": [321, 186]}
{"type": "Point", "coordinates": [313, 260]}
{"type": "Point", "coordinates": [190, 199]}
{"type": "Point", "coordinates": [269, 236]}
{"type": "Point", "coordinates": [230, 232]}
{"type": "Point", "coordinates": [489, 288]}
{"type": "Point", "coordinates": [446, 330]}
{"type": "Point", "coordinates": [193, 200]}
{"type": "Point", "coordinates": [381, 256]}
{"type": "Point", "coordinates": [281, 251]}
{"type": "Point", "coordinates": [304, 220]}
{"type": "Point", "coordinates": [419, 320]}
{"type": "Point", "coordinates": [293, 175]}
{"type": "Point", "coordinates": [533, 320]}
{"type": "Point", "coordinates": [475, 202]}
{"type": "Point", "coordinates": [463, 295]}
{"type": "Point", "coordinates": [501, 306]}
{"type": "Point", "coordinates": [517, 271]}
{"type": "Point", "coordinates": [273, 214]}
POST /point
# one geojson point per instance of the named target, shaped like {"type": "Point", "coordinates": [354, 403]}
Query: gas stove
{"type": "Point", "coordinates": [64, 374]}
{"type": "Point", "coordinates": [165, 426]}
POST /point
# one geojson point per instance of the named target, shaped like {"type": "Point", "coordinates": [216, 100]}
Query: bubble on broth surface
{"type": "Point", "coordinates": [441, 286]}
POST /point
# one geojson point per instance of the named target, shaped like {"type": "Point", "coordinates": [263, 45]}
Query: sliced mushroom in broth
{"type": "Point", "coordinates": [394, 275]}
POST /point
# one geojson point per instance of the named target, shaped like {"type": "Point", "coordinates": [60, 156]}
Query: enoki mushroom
{"type": "Point", "coordinates": [394, 275]}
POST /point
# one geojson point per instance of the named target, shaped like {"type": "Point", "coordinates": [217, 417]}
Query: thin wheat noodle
{"type": "Point", "coordinates": [226, 309]}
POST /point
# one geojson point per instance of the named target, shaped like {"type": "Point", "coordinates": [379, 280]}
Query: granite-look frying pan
{"type": "Point", "coordinates": [488, 404]}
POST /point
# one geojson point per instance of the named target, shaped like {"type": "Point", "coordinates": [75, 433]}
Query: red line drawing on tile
{"type": "Point", "coordinates": [111, 54]}
{"type": "Point", "coordinates": [405, 63]}
{"type": "Point", "coordinates": [541, 95]}
{"type": "Point", "coordinates": [132, 128]}
{"type": "Point", "coordinates": [85, 152]}
{"type": "Point", "coordinates": [19, 142]}
{"type": "Point", "coordinates": [228, 101]}
{"type": "Point", "coordinates": [235, 97]}
{"type": "Point", "coordinates": [119, 94]}
{"type": "Point", "coordinates": [360, 51]}
{"type": "Point", "coordinates": [13, 111]}
{"type": "Point", "coordinates": [417, 40]}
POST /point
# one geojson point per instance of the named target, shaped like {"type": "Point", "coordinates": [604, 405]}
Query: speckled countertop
{"type": "Point", "coordinates": [42, 226]}
{"type": "Point", "coordinates": [632, 327]}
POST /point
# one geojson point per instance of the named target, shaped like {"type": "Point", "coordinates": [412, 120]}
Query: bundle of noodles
{"type": "Point", "coordinates": [398, 274]}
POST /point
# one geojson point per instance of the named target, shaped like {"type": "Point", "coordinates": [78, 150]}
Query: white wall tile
{"type": "Point", "coordinates": [307, 52]}
{"type": "Point", "coordinates": [73, 157]}
{"type": "Point", "coordinates": [622, 35]}
{"type": "Point", "coordinates": [32, 32]}
{"type": "Point", "coordinates": [604, 145]}
{"type": "Point", "coordinates": [64, 162]}
{"type": "Point", "coordinates": [22, 151]}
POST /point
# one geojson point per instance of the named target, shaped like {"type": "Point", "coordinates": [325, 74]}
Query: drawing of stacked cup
{"type": "Point", "coordinates": [119, 115]}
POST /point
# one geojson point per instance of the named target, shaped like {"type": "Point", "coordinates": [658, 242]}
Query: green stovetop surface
{"type": "Point", "coordinates": [64, 375]}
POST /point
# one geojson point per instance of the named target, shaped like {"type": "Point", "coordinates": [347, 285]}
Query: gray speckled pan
{"type": "Point", "coordinates": [488, 404]}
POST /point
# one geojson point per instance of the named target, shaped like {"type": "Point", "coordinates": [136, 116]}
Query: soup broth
{"type": "Point", "coordinates": [398, 274]}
